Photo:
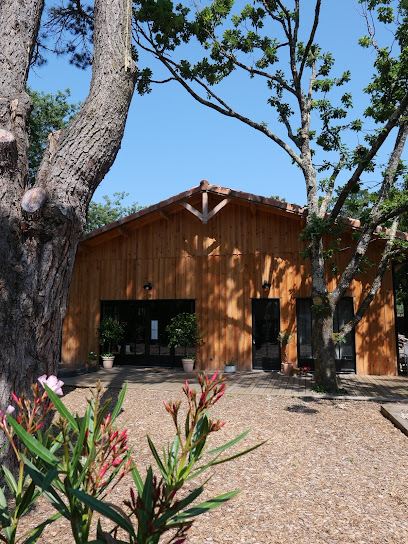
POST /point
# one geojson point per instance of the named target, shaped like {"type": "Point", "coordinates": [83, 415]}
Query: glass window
{"type": "Point", "coordinates": [345, 352]}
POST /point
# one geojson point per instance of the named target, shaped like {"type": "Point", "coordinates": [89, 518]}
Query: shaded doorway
{"type": "Point", "coordinates": [345, 352]}
{"type": "Point", "coordinates": [266, 353]}
{"type": "Point", "coordinates": [145, 341]}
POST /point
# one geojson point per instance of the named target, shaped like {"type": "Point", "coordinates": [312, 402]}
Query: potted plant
{"type": "Point", "coordinates": [183, 332]}
{"type": "Point", "coordinates": [230, 366]}
{"type": "Point", "coordinates": [92, 358]}
{"type": "Point", "coordinates": [110, 333]}
{"type": "Point", "coordinates": [284, 339]}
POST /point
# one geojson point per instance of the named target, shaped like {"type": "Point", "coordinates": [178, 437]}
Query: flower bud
{"type": "Point", "coordinates": [102, 472]}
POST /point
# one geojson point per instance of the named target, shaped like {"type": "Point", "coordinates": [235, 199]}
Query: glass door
{"type": "Point", "coordinates": [145, 341]}
{"type": "Point", "coordinates": [345, 352]}
{"type": "Point", "coordinates": [266, 354]}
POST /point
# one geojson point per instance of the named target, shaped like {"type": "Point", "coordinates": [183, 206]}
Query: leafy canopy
{"type": "Point", "coordinates": [51, 112]}
{"type": "Point", "coordinates": [100, 214]}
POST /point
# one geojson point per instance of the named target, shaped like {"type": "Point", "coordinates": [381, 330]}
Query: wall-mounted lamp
{"type": "Point", "coordinates": [147, 286]}
{"type": "Point", "coordinates": [266, 286]}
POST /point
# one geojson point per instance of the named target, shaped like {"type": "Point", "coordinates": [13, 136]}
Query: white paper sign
{"type": "Point", "coordinates": [155, 329]}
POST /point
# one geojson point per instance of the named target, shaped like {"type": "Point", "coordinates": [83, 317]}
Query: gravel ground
{"type": "Point", "coordinates": [331, 471]}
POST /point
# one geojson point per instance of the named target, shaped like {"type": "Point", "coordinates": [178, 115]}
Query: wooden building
{"type": "Point", "coordinates": [231, 257]}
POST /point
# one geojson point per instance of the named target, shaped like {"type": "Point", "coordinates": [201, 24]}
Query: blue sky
{"type": "Point", "coordinates": [171, 142]}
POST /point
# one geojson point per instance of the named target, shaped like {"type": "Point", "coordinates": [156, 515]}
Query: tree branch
{"type": "Point", "coordinates": [390, 215]}
{"type": "Point", "coordinates": [275, 17]}
{"type": "Point", "coordinates": [391, 123]}
{"type": "Point", "coordinates": [382, 267]}
{"type": "Point", "coordinates": [311, 37]}
{"type": "Point", "coordinates": [223, 107]}
{"type": "Point", "coordinates": [257, 71]}
{"type": "Point", "coordinates": [329, 193]}
{"type": "Point", "coordinates": [375, 217]}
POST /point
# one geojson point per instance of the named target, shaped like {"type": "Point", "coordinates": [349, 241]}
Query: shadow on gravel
{"type": "Point", "coordinates": [302, 409]}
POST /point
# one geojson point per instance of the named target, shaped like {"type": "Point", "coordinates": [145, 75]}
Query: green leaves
{"type": "Point", "coordinates": [100, 214]}
{"type": "Point", "coordinates": [183, 330]}
{"type": "Point", "coordinates": [85, 457]}
{"type": "Point", "coordinates": [35, 447]}
{"type": "Point", "coordinates": [204, 507]}
{"type": "Point", "coordinates": [104, 509]}
{"type": "Point", "coordinates": [51, 112]}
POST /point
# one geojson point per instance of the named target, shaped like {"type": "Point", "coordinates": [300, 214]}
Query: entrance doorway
{"type": "Point", "coordinates": [145, 342]}
{"type": "Point", "coordinates": [266, 354]}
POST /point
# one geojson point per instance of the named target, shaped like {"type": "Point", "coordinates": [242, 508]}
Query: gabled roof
{"type": "Point", "coordinates": [226, 194]}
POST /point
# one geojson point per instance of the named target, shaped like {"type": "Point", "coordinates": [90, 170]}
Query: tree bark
{"type": "Point", "coordinates": [324, 348]}
{"type": "Point", "coordinates": [38, 249]}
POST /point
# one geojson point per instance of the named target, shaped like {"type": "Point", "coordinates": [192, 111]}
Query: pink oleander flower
{"type": "Point", "coordinates": [10, 409]}
{"type": "Point", "coordinates": [53, 383]}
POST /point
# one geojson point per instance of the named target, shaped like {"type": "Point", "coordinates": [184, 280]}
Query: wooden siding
{"type": "Point", "coordinates": [221, 265]}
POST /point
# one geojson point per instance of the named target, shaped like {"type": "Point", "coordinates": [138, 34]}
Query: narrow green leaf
{"type": "Point", "coordinates": [180, 506]}
{"type": "Point", "coordinates": [3, 500]}
{"type": "Point", "coordinates": [10, 480]}
{"type": "Point", "coordinates": [5, 518]}
{"type": "Point", "coordinates": [173, 454]}
{"type": "Point", "coordinates": [9, 532]}
{"type": "Point", "coordinates": [187, 425]}
{"type": "Point", "coordinates": [44, 483]}
{"type": "Point", "coordinates": [138, 480]}
{"type": "Point", "coordinates": [203, 507]}
{"type": "Point", "coordinates": [157, 458]}
{"type": "Point", "coordinates": [227, 445]}
{"type": "Point", "coordinates": [78, 449]}
{"type": "Point", "coordinates": [32, 443]}
{"type": "Point", "coordinates": [100, 414]}
{"type": "Point", "coordinates": [119, 403]}
{"type": "Point", "coordinates": [200, 431]}
{"type": "Point", "coordinates": [215, 461]}
{"type": "Point", "coordinates": [103, 509]}
{"type": "Point", "coordinates": [61, 408]}
{"type": "Point", "coordinates": [147, 497]}
{"type": "Point", "coordinates": [239, 454]}
{"type": "Point", "coordinates": [26, 500]}
{"type": "Point", "coordinates": [35, 533]}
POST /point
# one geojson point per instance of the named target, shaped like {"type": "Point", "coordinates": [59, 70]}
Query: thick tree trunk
{"type": "Point", "coordinates": [324, 350]}
{"type": "Point", "coordinates": [37, 249]}
{"type": "Point", "coordinates": [322, 307]}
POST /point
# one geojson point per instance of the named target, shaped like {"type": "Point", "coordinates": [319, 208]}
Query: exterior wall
{"type": "Point", "coordinates": [221, 265]}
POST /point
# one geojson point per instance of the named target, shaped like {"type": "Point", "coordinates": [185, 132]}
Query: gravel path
{"type": "Point", "coordinates": [331, 471]}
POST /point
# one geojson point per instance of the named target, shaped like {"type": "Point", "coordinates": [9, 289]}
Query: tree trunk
{"type": "Point", "coordinates": [324, 350]}
{"type": "Point", "coordinates": [38, 244]}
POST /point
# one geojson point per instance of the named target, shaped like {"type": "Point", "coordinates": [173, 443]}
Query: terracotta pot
{"type": "Point", "coordinates": [188, 364]}
{"type": "Point", "coordinates": [286, 368]}
{"type": "Point", "coordinates": [108, 362]}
